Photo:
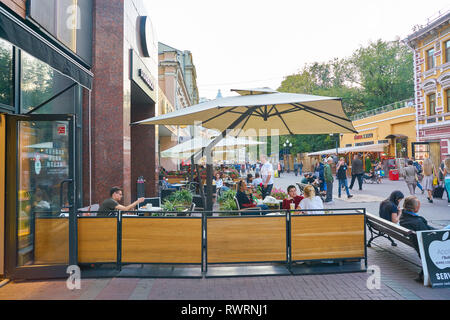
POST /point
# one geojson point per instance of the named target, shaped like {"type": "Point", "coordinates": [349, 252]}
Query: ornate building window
{"type": "Point", "coordinates": [447, 100]}
{"type": "Point", "coordinates": [447, 50]}
{"type": "Point", "coordinates": [431, 59]}
{"type": "Point", "coordinates": [432, 104]}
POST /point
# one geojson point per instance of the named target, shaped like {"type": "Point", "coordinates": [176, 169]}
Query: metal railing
{"type": "Point", "coordinates": [390, 107]}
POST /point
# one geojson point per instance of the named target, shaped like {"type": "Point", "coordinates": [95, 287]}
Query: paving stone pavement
{"type": "Point", "coordinates": [399, 267]}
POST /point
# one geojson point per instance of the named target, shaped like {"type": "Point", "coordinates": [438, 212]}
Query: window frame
{"type": "Point", "coordinates": [429, 104]}
{"type": "Point", "coordinates": [433, 59]}
{"type": "Point", "coordinates": [447, 51]}
{"type": "Point", "coordinates": [447, 100]}
{"type": "Point", "coordinates": [11, 106]}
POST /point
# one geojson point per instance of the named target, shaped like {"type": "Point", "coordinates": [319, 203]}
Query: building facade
{"type": "Point", "coordinates": [65, 135]}
{"type": "Point", "coordinates": [178, 82]}
{"type": "Point", "coordinates": [125, 63]}
{"type": "Point", "coordinates": [431, 47]}
{"type": "Point", "coordinates": [394, 125]}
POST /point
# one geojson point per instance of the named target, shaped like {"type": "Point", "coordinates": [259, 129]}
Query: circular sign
{"type": "Point", "coordinates": [146, 35]}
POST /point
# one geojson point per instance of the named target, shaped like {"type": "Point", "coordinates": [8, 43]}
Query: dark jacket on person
{"type": "Point", "coordinates": [412, 221]}
{"type": "Point", "coordinates": [390, 206]}
{"type": "Point", "coordinates": [244, 200]}
{"type": "Point", "coordinates": [357, 167]}
{"type": "Point", "coordinates": [342, 172]}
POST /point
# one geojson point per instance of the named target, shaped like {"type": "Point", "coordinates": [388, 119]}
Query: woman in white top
{"type": "Point", "coordinates": [219, 183]}
{"type": "Point", "coordinates": [311, 201]}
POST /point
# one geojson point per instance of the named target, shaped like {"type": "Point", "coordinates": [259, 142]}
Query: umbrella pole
{"type": "Point", "coordinates": [192, 169]}
{"type": "Point", "coordinates": [208, 152]}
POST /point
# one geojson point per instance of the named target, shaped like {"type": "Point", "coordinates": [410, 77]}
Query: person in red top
{"type": "Point", "coordinates": [292, 198]}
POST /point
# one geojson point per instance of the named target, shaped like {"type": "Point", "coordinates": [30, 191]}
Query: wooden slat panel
{"type": "Point", "coordinates": [162, 240]}
{"type": "Point", "coordinates": [246, 239]}
{"type": "Point", "coordinates": [327, 237]}
{"type": "Point", "coordinates": [51, 241]}
{"type": "Point", "coordinates": [97, 240]}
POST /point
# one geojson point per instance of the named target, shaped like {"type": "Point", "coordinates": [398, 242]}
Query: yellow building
{"type": "Point", "coordinates": [431, 46]}
{"type": "Point", "coordinates": [394, 125]}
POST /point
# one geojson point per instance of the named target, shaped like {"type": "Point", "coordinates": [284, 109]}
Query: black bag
{"type": "Point", "coordinates": [438, 192]}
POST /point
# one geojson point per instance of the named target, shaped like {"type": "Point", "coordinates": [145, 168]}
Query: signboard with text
{"type": "Point", "coordinates": [435, 254]}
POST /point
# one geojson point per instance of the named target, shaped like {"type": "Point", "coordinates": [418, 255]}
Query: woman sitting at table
{"type": "Point", "coordinates": [219, 183]}
{"type": "Point", "coordinates": [246, 201]}
{"type": "Point", "coordinates": [311, 201]}
{"type": "Point", "coordinates": [292, 198]}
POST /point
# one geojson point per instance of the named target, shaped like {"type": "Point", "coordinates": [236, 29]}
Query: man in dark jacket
{"type": "Point", "coordinates": [357, 172]}
{"type": "Point", "coordinates": [410, 218]}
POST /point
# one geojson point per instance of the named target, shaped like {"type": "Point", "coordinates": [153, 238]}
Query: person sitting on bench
{"type": "Point", "coordinates": [410, 218]}
{"type": "Point", "coordinates": [389, 208]}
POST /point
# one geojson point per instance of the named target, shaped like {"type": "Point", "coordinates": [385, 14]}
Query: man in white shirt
{"type": "Point", "coordinates": [266, 176]}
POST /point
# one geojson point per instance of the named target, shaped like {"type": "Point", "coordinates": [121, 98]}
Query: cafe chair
{"type": "Point", "coordinates": [155, 202]}
{"type": "Point", "coordinates": [197, 201]}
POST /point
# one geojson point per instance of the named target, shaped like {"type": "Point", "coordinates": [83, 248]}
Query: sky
{"type": "Point", "coordinates": [256, 43]}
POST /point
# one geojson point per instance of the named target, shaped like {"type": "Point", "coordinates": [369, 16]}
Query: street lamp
{"type": "Point", "coordinates": [287, 145]}
{"type": "Point", "coordinates": [337, 151]}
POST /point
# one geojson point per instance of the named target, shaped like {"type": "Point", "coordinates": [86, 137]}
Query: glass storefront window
{"type": "Point", "coordinates": [43, 164]}
{"type": "Point", "coordinates": [6, 73]}
{"type": "Point", "coordinates": [40, 83]}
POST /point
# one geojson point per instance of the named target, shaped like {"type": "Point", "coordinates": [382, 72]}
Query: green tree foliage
{"type": "Point", "coordinates": [374, 76]}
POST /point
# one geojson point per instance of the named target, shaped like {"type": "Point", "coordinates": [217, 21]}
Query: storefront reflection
{"type": "Point", "coordinates": [43, 165]}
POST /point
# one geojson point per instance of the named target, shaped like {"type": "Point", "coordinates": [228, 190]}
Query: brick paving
{"type": "Point", "coordinates": [399, 267]}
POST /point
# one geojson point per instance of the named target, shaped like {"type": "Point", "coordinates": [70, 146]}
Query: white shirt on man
{"type": "Point", "coordinates": [257, 181]}
{"type": "Point", "coordinates": [314, 203]}
{"type": "Point", "coordinates": [267, 170]}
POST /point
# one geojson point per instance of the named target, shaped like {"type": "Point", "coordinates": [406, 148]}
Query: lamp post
{"type": "Point", "coordinates": [287, 145]}
{"type": "Point", "coordinates": [337, 145]}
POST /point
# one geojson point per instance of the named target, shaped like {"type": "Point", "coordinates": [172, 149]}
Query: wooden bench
{"type": "Point", "coordinates": [380, 227]}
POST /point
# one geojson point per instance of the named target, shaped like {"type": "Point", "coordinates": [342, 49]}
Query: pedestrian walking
{"type": "Point", "coordinates": [341, 174]}
{"type": "Point", "coordinates": [300, 167]}
{"type": "Point", "coordinates": [329, 180]}
{"type": "Point", "coordinates": [410, 176]}
{"type": "Point", "coordinates": [446, 174]}
{"type": "Point", "coordinates": [267, 177]}
{"type": "Point", "coordinates": [429, 171]}
{"type": "Point", "coordinates": [357, 172]}
{"type": "Point", "coordinates": [296, 167]}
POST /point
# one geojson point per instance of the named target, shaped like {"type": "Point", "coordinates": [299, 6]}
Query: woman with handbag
{"type": "Point", "coordinates": [429, 174]}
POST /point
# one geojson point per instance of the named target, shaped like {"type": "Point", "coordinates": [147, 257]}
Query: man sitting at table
{"type": "Point", "coordinates": [292, 198]}
{"type": "Point", "coordinates": [110, 205]}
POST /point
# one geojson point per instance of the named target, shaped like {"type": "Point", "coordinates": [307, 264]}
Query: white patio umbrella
{"type": "Point", "coordinates": [262, 109]}
{"type": "Point", "coordinates": [254, 112]}
{"type": "Point", "coordinates": [184, 150]}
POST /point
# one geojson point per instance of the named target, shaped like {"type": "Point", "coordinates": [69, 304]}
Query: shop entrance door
{"type": "Point", "coordinates": [40, 211]}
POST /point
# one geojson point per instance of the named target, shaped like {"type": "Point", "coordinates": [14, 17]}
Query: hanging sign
{"type": "Point", "coordinates": [62, 130]}
{"type": "Point", "coordinates": [434, 249]}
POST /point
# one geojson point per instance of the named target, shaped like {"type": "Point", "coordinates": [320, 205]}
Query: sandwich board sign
{"type": "Point", "coordinates": [434, 249]}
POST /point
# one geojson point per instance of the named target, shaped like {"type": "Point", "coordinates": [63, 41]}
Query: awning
{"type": "Point", "coordinates": [369, 148]}
{"type": "Point", "coordinates": [392, 136]}
{"type": "Point", "coordinates": [19, 34]}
